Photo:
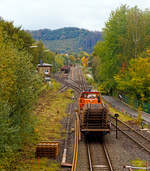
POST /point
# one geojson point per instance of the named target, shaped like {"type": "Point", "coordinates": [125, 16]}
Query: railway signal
{"type": "Point", "coordinates": [116, 116]}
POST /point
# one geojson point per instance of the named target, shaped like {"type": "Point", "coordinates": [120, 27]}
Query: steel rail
{"type": "Point", "coordinates": [69, 84]}
{"type": "Point", "coordinates": [67, 135]}
{"type": "Point", "coordinates": [79, 75]}
{"type": "Point", "coordinates": [108, 157]}
{"type": "Point", "coordinates": [73, 87]}
{"type": "Point", "coordinates": [133, 139]}
{"type": "Point", "coordinates": [89, 157]}
{"type": "Point", "coordinates": [74, 81]}
{"type": "Point", "coordinates": [62, 89]}
{"type": "Point", "coordinates": [132, 129]}
{"type": "Point", "coordinates": [82, 80]}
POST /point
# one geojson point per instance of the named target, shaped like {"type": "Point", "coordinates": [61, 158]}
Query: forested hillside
{"type": "Point", "coordinates": [69, 39]}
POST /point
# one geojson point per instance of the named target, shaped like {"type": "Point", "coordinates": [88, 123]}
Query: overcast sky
{"type": "Point", "coordinates": [53, 14]}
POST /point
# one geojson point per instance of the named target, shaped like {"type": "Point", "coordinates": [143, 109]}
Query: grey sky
{"type": "Point", "coordinates": [53, 14]}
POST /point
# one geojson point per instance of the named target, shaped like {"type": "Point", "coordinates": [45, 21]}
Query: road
{"type": "Point", "coordinates": [121, 106]}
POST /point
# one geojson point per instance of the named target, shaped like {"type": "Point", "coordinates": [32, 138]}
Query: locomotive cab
{"type": "Point", "coordinates": [89, 98]}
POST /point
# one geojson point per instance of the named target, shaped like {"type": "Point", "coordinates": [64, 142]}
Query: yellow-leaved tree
{"type": "Point", "coordinates": [136, 79]}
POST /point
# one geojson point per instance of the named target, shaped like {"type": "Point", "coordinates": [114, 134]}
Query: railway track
{"type": "Point", "coordinates": [82, 81]}
{"type": "Point", "coordinates": [134, 135]}
{"type": "Point", "coordinates": [62, 89]}
{"type": "Point", "coordinates": [68, 84]}
{"type": "Point", "coordinates": [68, 127]}
{"type": "Point", "coordinates": [97, 152]}
{"type": "Point", "coordinates": [98, 157]}
{"type": "Point", "coordinates": [68, 153]}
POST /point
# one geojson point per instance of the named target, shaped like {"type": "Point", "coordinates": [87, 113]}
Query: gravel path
{"type": "Point", "coordinates": [123, 151]}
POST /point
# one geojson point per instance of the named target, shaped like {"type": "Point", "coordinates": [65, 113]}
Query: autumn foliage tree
{"type": "Point", "coordinates": [126, 36]}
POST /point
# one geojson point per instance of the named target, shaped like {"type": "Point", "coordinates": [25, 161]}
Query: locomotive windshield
{"type": "Point", "coordinates": [91, 95]}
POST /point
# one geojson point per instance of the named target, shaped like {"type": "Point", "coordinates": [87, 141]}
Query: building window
{"type": "Point", "coordinates": [46, 71]}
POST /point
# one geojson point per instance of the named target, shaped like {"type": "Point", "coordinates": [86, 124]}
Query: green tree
{"type": "Point", "coordinates": [19, 87]}
{"type": "Point", "coordinates": [125, 37]}
{"type": "Point", "coordinates": [59, 61]}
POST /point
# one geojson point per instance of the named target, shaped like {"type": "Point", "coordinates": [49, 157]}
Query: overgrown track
{"type": "Point", "coordinates": [68, 127]}
{"type": "Point", "coordinates": [134, 135]}
{"type": "Point", "coordinates": [62, 89]}
{"type": "Point", "coordinates": [70, 83]}
{"type": "Point", "coordinates": [98, 156]}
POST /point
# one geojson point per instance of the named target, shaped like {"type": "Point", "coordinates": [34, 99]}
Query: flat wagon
{"type": "Point", "coordinates": [93, 114]}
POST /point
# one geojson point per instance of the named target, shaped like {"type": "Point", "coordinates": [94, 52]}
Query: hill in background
{"type": "Point", "coordinates": [69, 39]}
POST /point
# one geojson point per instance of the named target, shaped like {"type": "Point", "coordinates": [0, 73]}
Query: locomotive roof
{"type": "Point", "coordinates": [90, 92]}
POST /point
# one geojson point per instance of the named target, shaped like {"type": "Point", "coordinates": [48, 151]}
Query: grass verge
{"type": "Point", "coordinates": [48, 112]}
{"type": "Point", "coordinates": [125, 117]}
{"type": "Point", "coordinates": [139, 163]}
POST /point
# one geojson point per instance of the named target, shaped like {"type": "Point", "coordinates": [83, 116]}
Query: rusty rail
{"type": "Point", "coordinates": [64, 157]}
{"type": "Point", "coordinates": [75, 155]}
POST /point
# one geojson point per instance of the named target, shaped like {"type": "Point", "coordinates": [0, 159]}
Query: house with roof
{"type": "Point", "coordinates": [45, 69]}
